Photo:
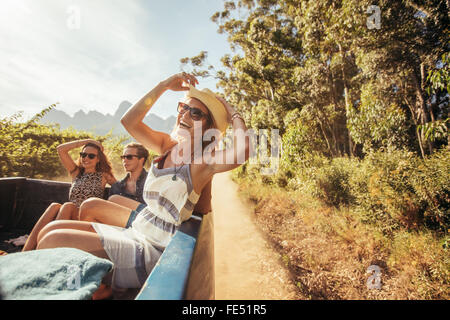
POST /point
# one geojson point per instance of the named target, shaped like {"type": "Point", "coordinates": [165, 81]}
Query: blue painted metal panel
{"type": "Point", "coordinates": [169, 277]}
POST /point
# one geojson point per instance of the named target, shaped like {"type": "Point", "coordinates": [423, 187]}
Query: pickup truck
{"type": "Point", "coordinates": [185, 270]}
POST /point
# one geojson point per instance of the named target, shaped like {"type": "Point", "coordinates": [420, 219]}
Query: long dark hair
{"type": "Point", "coordinates": [103, 165]}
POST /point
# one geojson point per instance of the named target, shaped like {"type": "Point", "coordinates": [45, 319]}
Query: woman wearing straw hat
{"type": "Point", "coordinates": [173, 186]}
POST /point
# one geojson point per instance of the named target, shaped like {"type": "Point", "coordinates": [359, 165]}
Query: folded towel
{"type": "Point", "coordinates": [56, 274]}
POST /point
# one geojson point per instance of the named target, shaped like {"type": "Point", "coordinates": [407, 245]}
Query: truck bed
{"type": "Point", "coordinates": [179, 274]}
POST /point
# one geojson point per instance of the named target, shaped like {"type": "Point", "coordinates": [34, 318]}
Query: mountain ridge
{"type": "Point", "coordinates": [101, 124]}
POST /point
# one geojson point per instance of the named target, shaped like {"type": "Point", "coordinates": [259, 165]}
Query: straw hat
{"type": "Point", "coordinates": [215, 107]}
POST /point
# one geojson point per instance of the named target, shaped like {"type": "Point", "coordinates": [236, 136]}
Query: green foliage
{"type": "Point", "coordinates": [439, 84]}
{"type": "Point", "coordinates": [363, 115]}
{"type": "Point", "coordinates": [439, 79]}
{"type": "Point", "coordinates": [332, 182]}
{"type": "Point", "coordinates": [398, 189]}
{"type": "Point", "coordinates": [435, 130]}
{"type": "Point", "coordinates": [431, 185]}
{"type": "Point", "coordinates": [376, 125]}
{"type": "Point", "coordinates": [386, 198]}
{"type": "Point", "coordinates": [389, 189]}
{"type": "Point", "coordinates": [266, 115]}
{"type": "Point", "coordinates": [354, 105]}
{"type": "Point", "coordinates": [322, 59]}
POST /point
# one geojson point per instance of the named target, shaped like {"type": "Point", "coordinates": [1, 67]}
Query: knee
{"type": "Point", "coordinates": [68, 205]}
{"type": "Point", "coordinates": [67, 212]}
{"type": "Point", "coordinates": [55, 206]}
{"type": "Point", "coordinates": [88, 207]}
{"type": "Point", "coordinates": [52, 211]}
{"type": "Point", "coordinates": [90, 204]}
{"type": "Point", "coordinates": [111, 198]}
{"type": "Point", "coordinates": [114, 198]}
{"type": "Point", "coordinates": [52, 226]}
{"type": "Point", "coordinates": [52, 239]}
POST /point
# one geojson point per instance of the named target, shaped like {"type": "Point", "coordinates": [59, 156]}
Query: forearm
{"type": "Point", "coordinates": [63, 152]}
{"type": "Point", "coordinates": [66, 147]}
{"type": "Point", "coordinates": [241, 142]}
{"type": "Point", "coordinates": [238, 124]}
{"type": "Point", "coordinates": [139, 110]}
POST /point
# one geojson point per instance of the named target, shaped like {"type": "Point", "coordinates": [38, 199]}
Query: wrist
{"type": "Point", "coordinates": [164, 84]}
{"type": "Point", "coordinates": [236, 115]}
{"type": "Point", "coordinates": [80, 144]}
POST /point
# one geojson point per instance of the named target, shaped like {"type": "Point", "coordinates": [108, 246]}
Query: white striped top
{"type": "Point", "coordinates": [169, 203]}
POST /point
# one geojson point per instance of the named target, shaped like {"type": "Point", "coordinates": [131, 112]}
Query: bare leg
{"type": "Point", "coordinates": [124, 201]}
{"type": "Point", "coordinates": [48, 216]}
{"type": "Point", "coordinates": [106, 212]}
{"type": "Point", "coordinates": [66, 224]}
{"type": "Point", "coordinates": [72, 234]}
{"type": "Point", "coordinates": [68, 211]}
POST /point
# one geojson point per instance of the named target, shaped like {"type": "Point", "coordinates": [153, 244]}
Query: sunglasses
{"type": "Point", "coordinates": [89, 155]}
{"type": "Point", "coordinates": [195, 113]}
{"type": "Point", "coordinates": [129, 156]}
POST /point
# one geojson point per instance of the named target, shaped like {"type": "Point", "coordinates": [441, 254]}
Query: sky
{"type": "Point", "coordinates": [94, 54]}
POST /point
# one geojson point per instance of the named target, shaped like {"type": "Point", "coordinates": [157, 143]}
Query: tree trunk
{"type": "Point", "coordinates": [422, 89]}
{"type": "Point", "coordinates": [347, 98]}
{"type": "Point", "coordinates": [413, 115]}
{"type": "Point", "coordinates": [325, 136]}
{"type": "Point", "coordinates": [420, 101]}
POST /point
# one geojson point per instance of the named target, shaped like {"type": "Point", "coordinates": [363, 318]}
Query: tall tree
{"type": "Point", "coordinates": [412, 38]}
{"type": "Point", "coordinates": [319, 57]}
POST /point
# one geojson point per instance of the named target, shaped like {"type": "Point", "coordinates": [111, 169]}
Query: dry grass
{"type": "Point", "coordinates": [328, 250]}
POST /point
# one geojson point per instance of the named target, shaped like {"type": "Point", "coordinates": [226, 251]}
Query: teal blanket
{"type": "Point", "coordinates": [56, 274]}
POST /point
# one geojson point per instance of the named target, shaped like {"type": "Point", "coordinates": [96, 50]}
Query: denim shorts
{"type": "Point", "coordinates": [134, 213]}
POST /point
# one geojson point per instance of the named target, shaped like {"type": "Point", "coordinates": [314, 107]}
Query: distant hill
{"type": "Point", "coordinates": [101, 124]}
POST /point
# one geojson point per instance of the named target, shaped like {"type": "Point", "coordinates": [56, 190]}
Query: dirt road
{"type": "Point", "coordinates": [246, 267]}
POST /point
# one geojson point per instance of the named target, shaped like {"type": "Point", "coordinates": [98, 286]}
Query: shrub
{"type": "Point", "coordinates": [390, 189]}
{"type": "Point", "coordinates": [397, 188]}
{"type": "Point", "coordinates": [375, 123]}
{"type": "Point", "coordinates": [431, 184]}
{"type": "Point", "coordinates": [331, 182]}
{"type": "Point", "coordinates": [28, 149]}
{"type": "Point", "coordinates": [422, 265]}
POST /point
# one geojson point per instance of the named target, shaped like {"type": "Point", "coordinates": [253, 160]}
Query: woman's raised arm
{"type": "Point", "coordinates": [66, 159]}
{"type": "Point", "coordinates": [241, 148]}
{"type": "Point", "coordinates": [132, 120]}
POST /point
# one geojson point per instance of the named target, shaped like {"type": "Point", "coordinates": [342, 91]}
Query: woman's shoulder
{"type": "Point", "coordinates": [109, 178]}
{"type": "Point", "coordinates": [168, 145]}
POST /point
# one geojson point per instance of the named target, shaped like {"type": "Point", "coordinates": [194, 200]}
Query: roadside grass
{"type": "Point", "coordinates": [328, 250]}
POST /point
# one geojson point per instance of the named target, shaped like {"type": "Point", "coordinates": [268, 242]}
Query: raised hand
{"type": "Point", "coordinates": [98, 144]}
{"type": "Point", "coordinates": [180, 82]}
{"type": "Point", "coordinates": [228, 107]}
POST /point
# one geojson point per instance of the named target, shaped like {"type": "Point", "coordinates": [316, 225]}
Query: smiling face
{"type": "Point", "coordinates": [189, 133]}
{"type": "Point", "coordinates": [88, 163]}
{"type": "Point", "coordinates": [135, 163]}
{"type": "Point", "coordinates": [185, 121]}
